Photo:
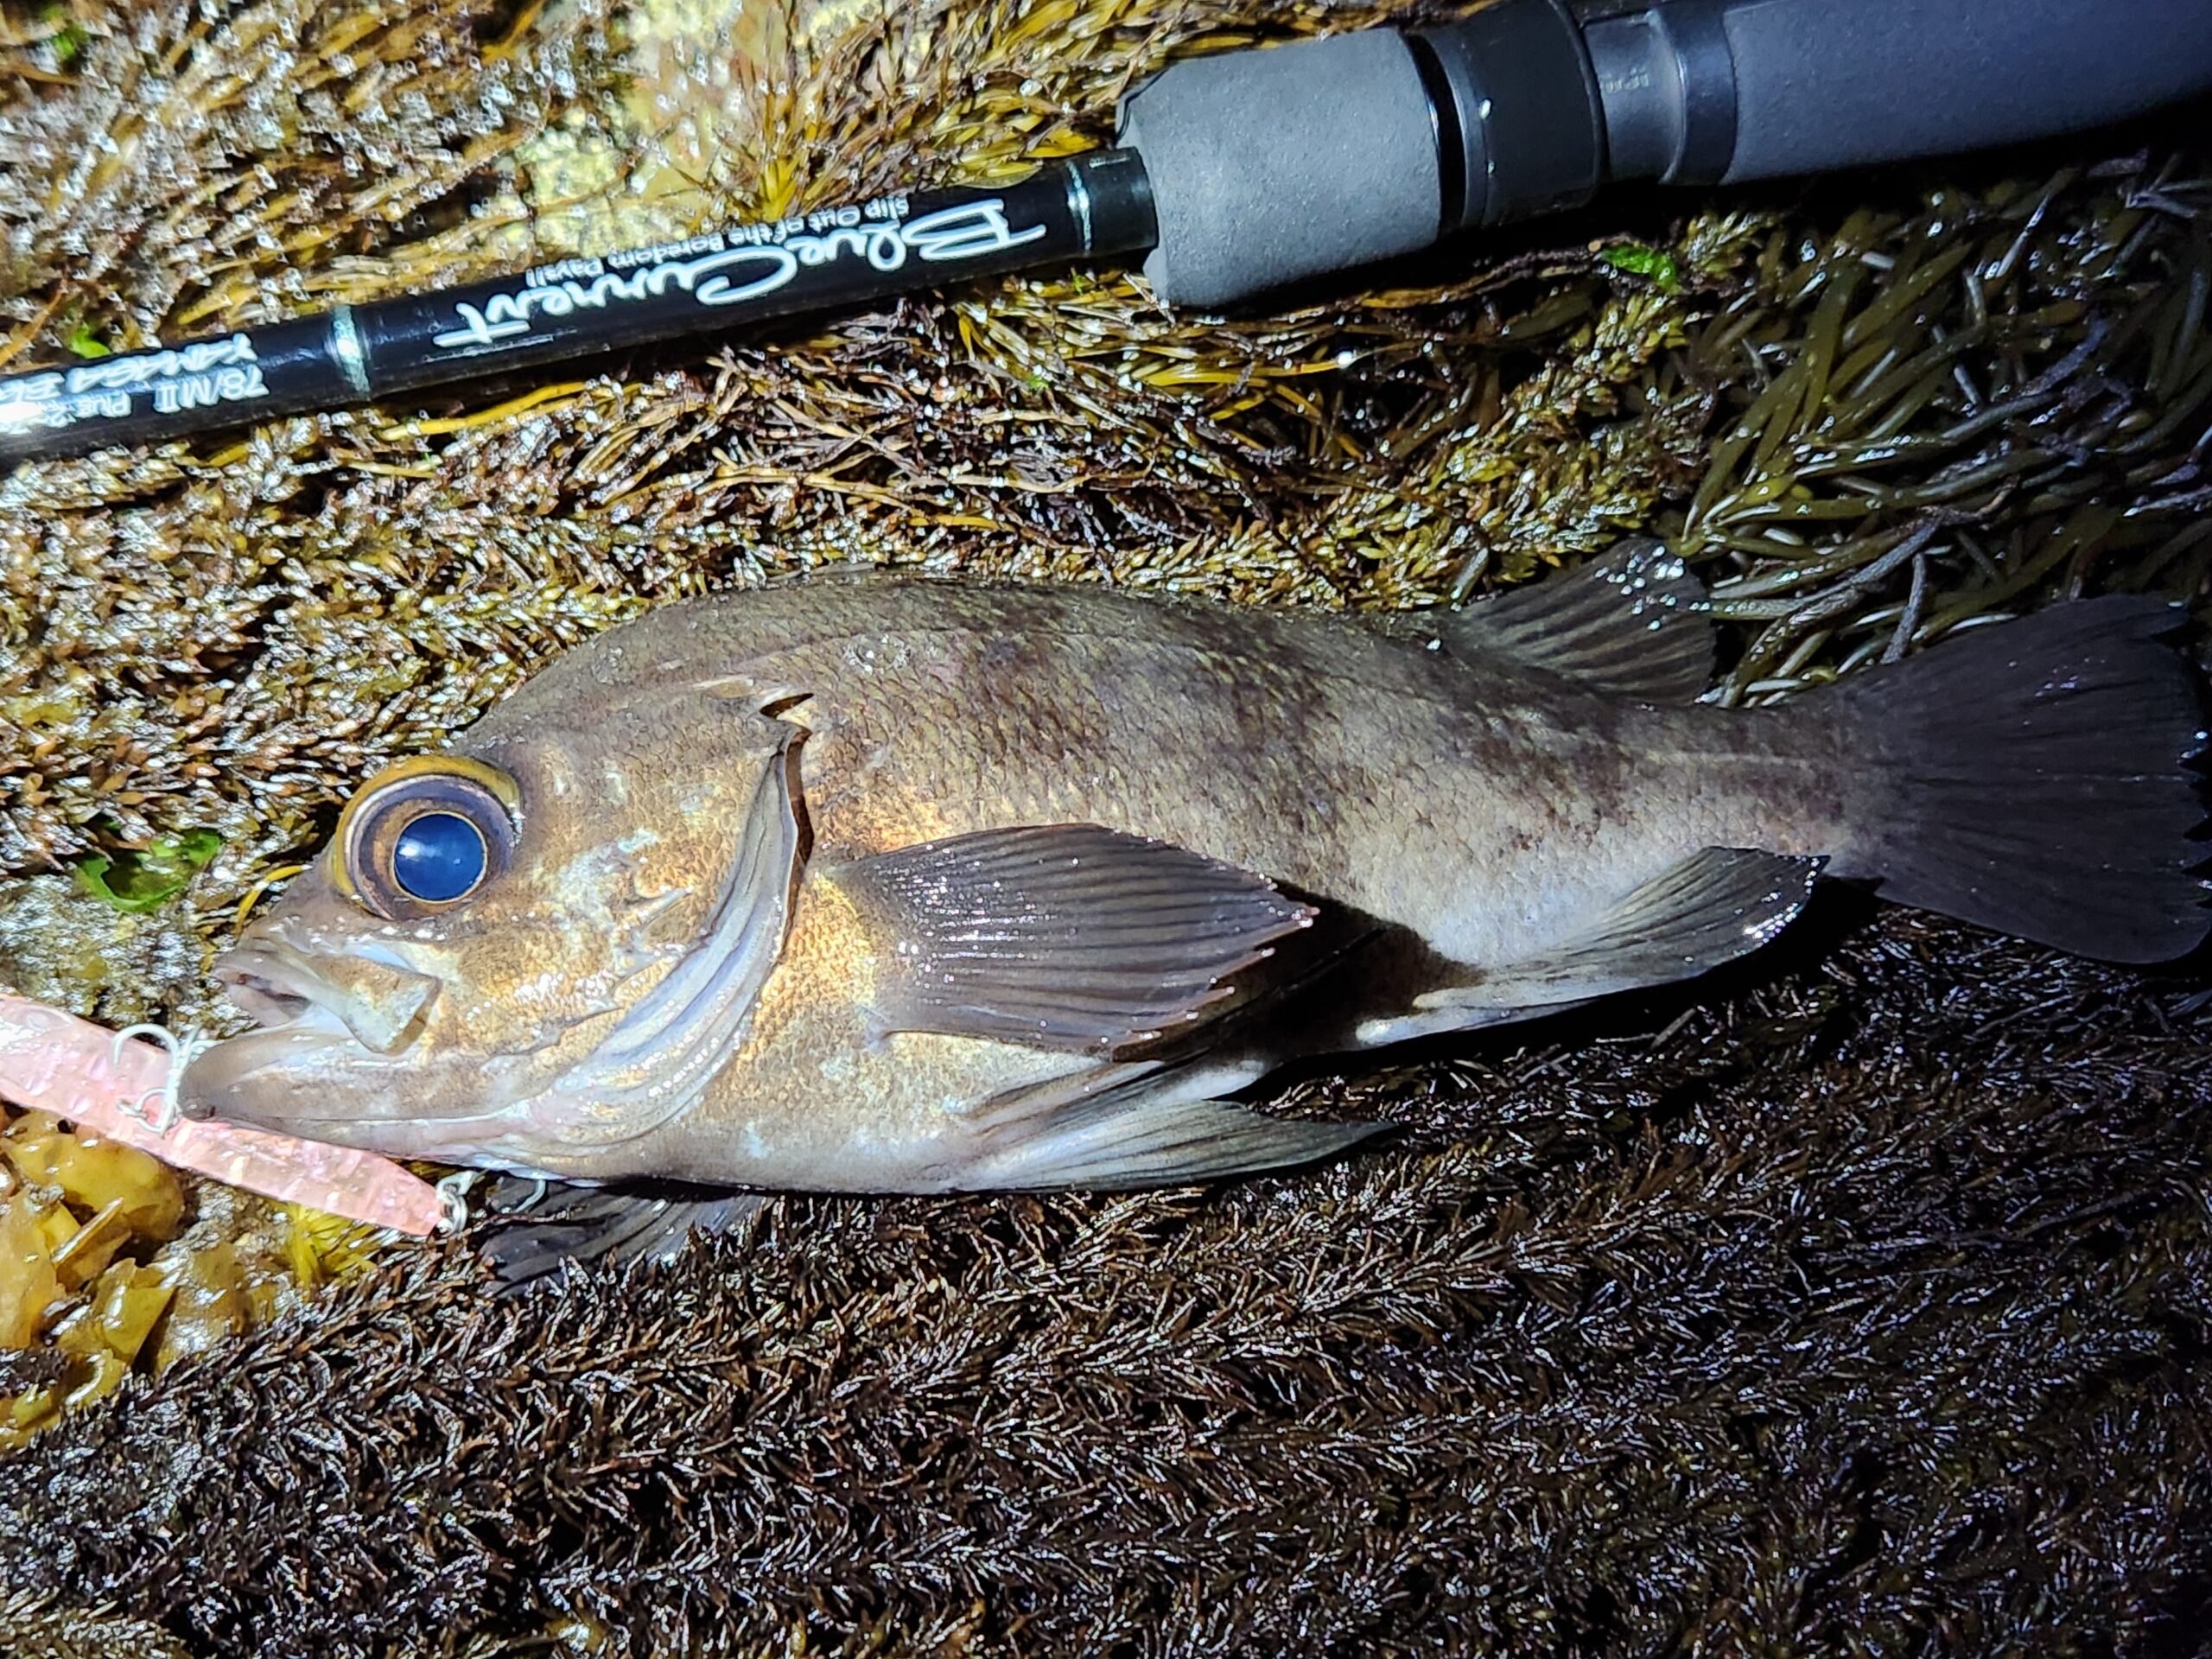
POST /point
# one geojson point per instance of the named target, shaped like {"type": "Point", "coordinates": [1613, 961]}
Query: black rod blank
{"type": "Point", "coordinates": [1094, 205]}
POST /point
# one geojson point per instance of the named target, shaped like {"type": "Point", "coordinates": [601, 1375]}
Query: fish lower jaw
{"type": "Point", "coordinates": [218, 1079]}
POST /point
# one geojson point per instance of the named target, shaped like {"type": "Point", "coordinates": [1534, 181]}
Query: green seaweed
{"type": "Point", "coordinates": [1656, 263]}
{"type": "Point", "coordinates": [148, 878]}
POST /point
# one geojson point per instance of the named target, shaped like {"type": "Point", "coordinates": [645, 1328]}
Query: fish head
{"type": "Point", "coordinates": [523, 953]}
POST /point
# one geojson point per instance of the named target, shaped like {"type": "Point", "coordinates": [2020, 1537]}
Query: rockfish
{"type": "Point", "coordinates": [866, 883]}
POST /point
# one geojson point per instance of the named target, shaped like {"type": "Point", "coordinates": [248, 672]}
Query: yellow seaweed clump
{"type": "Point", "coordinates": [29, 1284]}
{"type": "Point", "coordinates": [97, 1275]}
{"type": "Point", "coordinates": [95, 1174]}
{"type": "Point", "coordinates": [71, 1206]}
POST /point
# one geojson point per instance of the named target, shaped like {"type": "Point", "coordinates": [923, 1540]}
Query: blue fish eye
{"type": "Point", "coordinates": [438, 857]}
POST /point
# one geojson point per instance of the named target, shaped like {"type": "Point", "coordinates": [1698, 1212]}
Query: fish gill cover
{"type": "Point", "coordinates": [1853, 1303]}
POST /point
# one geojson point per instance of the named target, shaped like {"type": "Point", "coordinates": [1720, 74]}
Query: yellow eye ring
{"type": "Point", "coordinates": [423, 835]}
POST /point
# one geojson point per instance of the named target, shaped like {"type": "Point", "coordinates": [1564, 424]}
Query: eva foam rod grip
{"type": "Point", "coordinates": [1827, 84]}
{"type": "Point", "coordinates": [1272, 165]}
{"type": "Point", "coordinates": [1269, 166]}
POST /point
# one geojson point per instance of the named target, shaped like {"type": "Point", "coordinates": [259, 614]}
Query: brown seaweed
{"type": "Point", "coordinates": [1856, 1310]}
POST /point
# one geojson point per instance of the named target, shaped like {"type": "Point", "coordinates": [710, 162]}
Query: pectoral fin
{"type": "Point", "coordinates": [1066, 937]}
{"type": "Point", "coordinates": [1713, 907]}
{"type": "Point", "coordinates": [1632, 623]}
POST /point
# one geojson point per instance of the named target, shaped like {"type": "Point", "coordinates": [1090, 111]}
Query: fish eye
{"type": "Point", "coordinates": [439, 857]}
{"type": "Point", "coordinates": [425, 834]}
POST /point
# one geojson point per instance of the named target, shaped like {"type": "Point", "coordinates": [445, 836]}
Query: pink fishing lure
{"type": "Point", "coordinates": [55, 1062]}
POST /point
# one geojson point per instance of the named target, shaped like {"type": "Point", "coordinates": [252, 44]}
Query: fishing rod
{"type": "Point", "coordinates": [1235, 174]}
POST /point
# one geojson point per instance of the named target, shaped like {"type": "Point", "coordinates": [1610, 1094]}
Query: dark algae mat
{"type": "Point", "coordinates": [1857, 1311]}
{"type": "Point", "coordinates": [1853, 1302]}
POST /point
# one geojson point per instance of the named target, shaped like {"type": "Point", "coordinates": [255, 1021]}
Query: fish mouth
{"type": "Point", "coordinates": [278, 990]}
{"type": "Point", "coordinates": [279, 1075]}
{"type": "Point", "coordinates": [276, 995]}
{"type": "Point", "coordinates": [237, 1080]}
{"type": "Point", "coordinates": [283, 991]}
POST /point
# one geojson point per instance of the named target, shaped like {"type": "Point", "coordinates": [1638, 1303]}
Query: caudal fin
{"type": "Point", "coordinates": [2035, 776]}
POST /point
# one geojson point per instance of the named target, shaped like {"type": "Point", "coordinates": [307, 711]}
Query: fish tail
{"type": "Point", "coordinates": [2039, 778]}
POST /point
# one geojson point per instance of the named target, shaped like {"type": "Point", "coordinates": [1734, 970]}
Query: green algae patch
{"type": "Point", "coordinates": [1656, 263]}
{"type": "Point", "coordinates": [135, 882]}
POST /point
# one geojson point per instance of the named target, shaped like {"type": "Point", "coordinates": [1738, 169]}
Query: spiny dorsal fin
{"type": "Point", "coordinates": [1633, 623]}
{"type": "Point", "coordinates": [1062, 936]}
{"type": "Point", "coordinates": [1710, 908]}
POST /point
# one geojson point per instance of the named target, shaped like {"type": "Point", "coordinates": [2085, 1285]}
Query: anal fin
{"type": "Point", "coordinates": [1713, 907]}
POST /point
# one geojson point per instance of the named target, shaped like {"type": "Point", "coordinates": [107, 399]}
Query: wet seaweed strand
{"type": "Point", "coordinates": [1957, 414]}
